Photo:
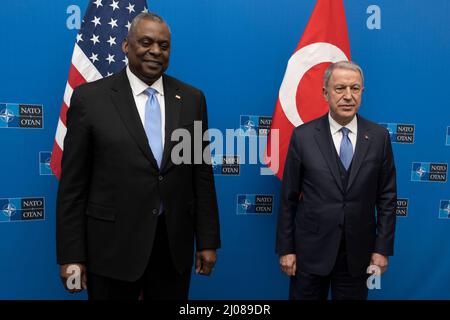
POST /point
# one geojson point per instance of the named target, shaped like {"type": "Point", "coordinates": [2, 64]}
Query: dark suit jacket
{"type": "Point", "coordinates": [111, 188]}
{"type": "Point", "coordinates": [316, 210]}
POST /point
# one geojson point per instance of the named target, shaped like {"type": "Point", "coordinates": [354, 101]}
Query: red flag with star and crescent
{"type": "Point", "coordinates": [324, 41]}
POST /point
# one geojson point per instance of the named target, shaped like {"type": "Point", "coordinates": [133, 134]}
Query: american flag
{"type": "Point", "coordinates": [97, 54]}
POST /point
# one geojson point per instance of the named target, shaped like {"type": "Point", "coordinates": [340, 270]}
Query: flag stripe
{"type": "Point", "coordinates": [63, 114]}
{"type": "Point", "coordinates": [60, 134]}
{"type": "Point", "coordinates": [68, 94]}
{"type": "Point", "coordinates": [55, 161]}
{"type": "Point", "coordinates": [75, 77]}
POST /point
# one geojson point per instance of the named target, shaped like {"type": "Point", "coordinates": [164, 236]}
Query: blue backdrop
{"type": "Point", "coordinates": [236, 51]}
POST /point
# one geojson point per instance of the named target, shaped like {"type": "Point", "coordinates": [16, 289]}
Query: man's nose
{"type": "Point", "coordinates": [348, 93]}
{"type": "Point", "coordinates": [155, 49]}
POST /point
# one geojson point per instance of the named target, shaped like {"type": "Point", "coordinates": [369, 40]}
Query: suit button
{"type": "Point", "coordinates": [160, 178]}
{"type": "Point", "coordinates": [155, 211]}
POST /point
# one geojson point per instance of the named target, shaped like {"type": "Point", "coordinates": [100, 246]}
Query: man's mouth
{"type": "Point", "coordinates": [153, 63]}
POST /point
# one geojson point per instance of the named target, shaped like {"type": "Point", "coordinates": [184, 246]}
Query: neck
{"type": "Point", "coordinates": [147, 80]}
{"type": "Point", "coordinates": [342, 121]}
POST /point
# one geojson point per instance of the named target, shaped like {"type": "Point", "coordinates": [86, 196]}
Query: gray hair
{"type": "Point", "coordinates": [348, 65]}
{"type": "Point", "coordinates": [145, 16]}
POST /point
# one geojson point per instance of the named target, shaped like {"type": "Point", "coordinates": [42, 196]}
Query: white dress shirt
{"type": "Point", "coordinates": [140, 98]}
{"type": "Point", "coordinates": [336, 134]}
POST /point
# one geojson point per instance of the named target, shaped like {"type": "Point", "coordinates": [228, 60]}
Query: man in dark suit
{"type": "Point", "coordinates": [338, 196]}
{"type": "Point", "coordinates": [127, 216]}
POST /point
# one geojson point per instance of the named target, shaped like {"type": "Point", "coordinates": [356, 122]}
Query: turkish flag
{"type": "Point", "coordinates": [300, 99]}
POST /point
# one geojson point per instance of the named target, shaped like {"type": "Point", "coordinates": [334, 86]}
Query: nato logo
{"type": "Point", "coordinates": [402, 207]}
{"type": "Point", "coordinates": [447, 138]}
{"type": "Point", "coordinates": [255, 125]}
{"type": "Point", "coordinates": [44, 163]}
{"type": "Point", "coordinates": [254, 204]}
{"type": "Point", "coordinates": [22, 209]}
{"type": "Point", "coordinates": [429, 172]}
{"type": "Point", "coordinates": [444, 209]}
{"type": "Point", "coordinates": [400, 133]}
{"type": "Point", "coordinates": [13, 115]}
{"type": "Point", "coordinates": [225, 165]}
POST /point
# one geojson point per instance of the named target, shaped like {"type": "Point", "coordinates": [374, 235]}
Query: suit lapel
{"type": "Point", "coordinates": [172, 98]}
{"type": "Point", "coordinates": [362, 146]}
{"type": "Point", "coordinates": [123, 100]}
{"type": "Point", "coordinates": [325, 143]}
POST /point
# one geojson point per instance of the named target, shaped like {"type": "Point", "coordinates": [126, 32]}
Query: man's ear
{"type": "Point", "coordinates": [125, 46]}
{"type": "Point", "coordinates": [325, 93]}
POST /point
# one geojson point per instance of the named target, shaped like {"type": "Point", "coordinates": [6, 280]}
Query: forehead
{"type": "Point", "coordinates": [340, 75]}
{"type": "Point", "coordinates": [153, 29]}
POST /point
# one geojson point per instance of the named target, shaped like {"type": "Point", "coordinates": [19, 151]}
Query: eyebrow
{"type": "Point", "coordinates": [351, 85]}
{"type": "Point", "coordinates": [143, 37]}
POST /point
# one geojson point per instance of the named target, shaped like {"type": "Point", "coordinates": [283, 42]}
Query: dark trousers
{"type": "Point", "coordinates": [161, 281]}
{"type": "Point", "coordinates": [307, 286]}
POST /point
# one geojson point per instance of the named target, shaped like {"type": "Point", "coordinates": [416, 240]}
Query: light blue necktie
{"type": "Point", "coordinates": [152, 124]}
{"type": "Point", "coordinates": [346, 151]}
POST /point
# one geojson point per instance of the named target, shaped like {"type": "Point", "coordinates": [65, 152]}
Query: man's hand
{"type": "Point", "coordinates": [205, 261]}
{"type": "Point", "coordinates": [73, 276]}
{"type": "Point", "coordinates": [380, 261]}
{"type": "Point", "coordinates": [288, 264]}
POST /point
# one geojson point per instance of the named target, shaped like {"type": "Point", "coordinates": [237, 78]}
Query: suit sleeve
{"type": "Point", "coordinates": [290, 193]}
{"type": "Point", "coordinates": [207, 229]}
{"type": "Point", "coordinates": [386, 202]}
{"type": "Point", "coordinates": [74, 185]}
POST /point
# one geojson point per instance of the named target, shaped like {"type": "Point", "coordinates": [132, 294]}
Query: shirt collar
{"type": "Point", "coordinates": [335, 127]}
{"type": "Point", "coordinates": [138, 86]}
